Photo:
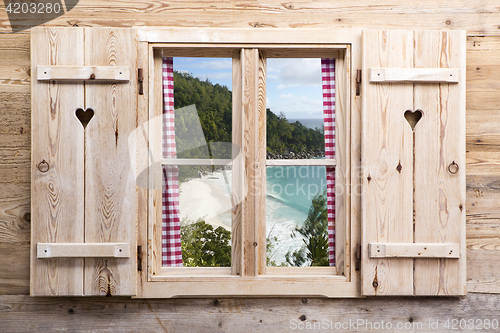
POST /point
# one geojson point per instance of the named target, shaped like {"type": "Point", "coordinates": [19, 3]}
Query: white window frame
{"type": "Point", "coordinates": [157, 282]}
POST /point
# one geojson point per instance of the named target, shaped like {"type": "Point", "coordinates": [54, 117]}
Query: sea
{"type": "Point", "coordinates": [310, 123]}
{"type": "Point", "coordinates": [289, 194]}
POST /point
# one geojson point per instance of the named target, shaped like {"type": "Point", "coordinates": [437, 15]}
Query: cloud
{"type": "Point", "coordinates": [295, 72]}
{"type": "Point", "coordinates": [295, 106]}
{"type": "Point", "coordinates": [287, 96]}
{"type": "Point", "coordinates": [215, 76]}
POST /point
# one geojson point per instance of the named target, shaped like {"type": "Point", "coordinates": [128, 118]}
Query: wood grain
{"type": "Point", "coordinates": [143, 161]}
{"type": "Point", "coordinates": [250, 150]}
{"type": "Point", "coordinates": [477, 17]}
{"type": "Point", "coordinates": [414, 250]}
{"type": "Point", "coordinates": [238, 175]}
{"type": "Point", "coordinates": [110, 195]}
{"type": "Point", "coordinates": [155, 171]}
{"type": "Point", "coordinates": [414, 75]}
{"type": "Point", "coordinates": [14, 275]}
{"type": "Point", "coordinates": [387, 159]}
{"type": "Point", "coordinates": [23, 313]}
{"type": "Point", "coordinates": [57, 138]}
{"type": "Point", "coordinates": [87, 73]}
{"type": "Point", "coordinates": [440, 139]}
{"type": "Point", "coordinates": [83, 250]}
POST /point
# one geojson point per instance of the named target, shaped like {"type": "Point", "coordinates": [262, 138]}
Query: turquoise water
{"type": "Point", "coordinates": [290, 190]}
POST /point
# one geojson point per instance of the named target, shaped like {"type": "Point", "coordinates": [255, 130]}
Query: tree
{"type": "Point", "coordinates": [315, 236]}
{"type": "Point", "coordinates": [204, 246]}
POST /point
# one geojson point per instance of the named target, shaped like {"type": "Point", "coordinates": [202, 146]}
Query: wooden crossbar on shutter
{"type": "Point", "coordinates": [413, 157]}
{"type": "Point", "coordinates": [83, 190]}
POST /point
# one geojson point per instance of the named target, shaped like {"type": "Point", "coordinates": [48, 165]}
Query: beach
{"type": "Point", "coordinates": [208, 198]}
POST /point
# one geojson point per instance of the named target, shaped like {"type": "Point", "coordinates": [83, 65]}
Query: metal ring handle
{"type": "Point", "coordinates": [453, 168]}
{"type": "Point", "coordinates": [43, 166]}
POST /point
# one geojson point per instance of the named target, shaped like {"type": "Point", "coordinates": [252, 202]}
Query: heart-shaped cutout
{"type": "Point", "coordinates": [412, 117]}
{"type": "Point", "coordinates": [84, 116]}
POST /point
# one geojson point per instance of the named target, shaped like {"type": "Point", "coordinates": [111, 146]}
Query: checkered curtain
{"type": "Point", "coordinates": [328, 78]}
{"type": "Point", "coordinates": [171, 225]}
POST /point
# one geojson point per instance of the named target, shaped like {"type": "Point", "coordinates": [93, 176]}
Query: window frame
{"type": "Point", "coordinates": [310, 281]}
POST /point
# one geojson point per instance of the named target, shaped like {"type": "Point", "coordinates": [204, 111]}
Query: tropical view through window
{"type": "Point", "coordinates": [295, 200]}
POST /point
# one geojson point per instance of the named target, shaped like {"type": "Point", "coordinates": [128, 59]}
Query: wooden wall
{"type": "Point", "coordinates": [481, 19]}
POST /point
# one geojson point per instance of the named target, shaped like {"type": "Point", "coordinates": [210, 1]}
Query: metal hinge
{"type": "Point", "coordinates": [357, 256]}
{"type": "Point", "coordinates": [140, 78]}
{"type": "Point", "coordinates": [139, 258]}
{"type": "Point", "coordinates": [358, 82]}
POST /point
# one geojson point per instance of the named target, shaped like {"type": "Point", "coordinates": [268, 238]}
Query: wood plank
{"type": "Point", "coordinates": [110, 195]}
{"type": "Point", "coordinates": [428, 75]}
{"type": "Point", "coordinates": [15, 127]}
{"type": "Point", "coordinates": [57, 138]}
{"type": "Point", "coordinates": [439, 196]}
{"type": "Point", "coordinates": [259, 182]}
{"type": "Point", "coordinates": [483, 211]}
{"type": "Point", "coordinates": [86, 73]}
{"type": "Point", "coordinates": [15, 215]}
{"type": "Point", "coordinates": [238, 173]}
{"type": "Point", "coordinates": [483, 163]}
{"type": "Point", "coordinates": [259, 315]}
{"type": "Point", "coordinates": [483, 264]}
{"type": "Point", "coordinates": [249, 148]}
{"type": "Point", "coordinates": [143, 163]}
{"type": "Point", "coordinates": [15, 50]}
{"type": "Point", "coordinates": [387, 160]}
{"type": "Point", "coordinates": [414, 250]}
{"type": "Point", "coordinates": [196, 161]}
{"type": "Point", "coordinates": [155, 171]}
{"type": "Point", "coordinates": [15, 272]}
{"type": "Point", "coordinates": [15, 165]}
{"type": "Point", "coordinates": [309, 162]}
{"type": "Point", "coordinates": [342, 153]}
{"type": "Point", "coordinates": [83, 250]}
{"type": "Point", "coordinates": [483, 132]}
{"type": "Point", "coordinates": [473, 17]}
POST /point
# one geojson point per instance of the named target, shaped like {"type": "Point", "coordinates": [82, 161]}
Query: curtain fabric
{"type": "Point", "coordinates": [171, 224]}
{"type": "Point", "coordinates": [328, 79]}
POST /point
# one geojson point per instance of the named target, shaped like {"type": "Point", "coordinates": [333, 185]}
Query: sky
{"type": "Point", "coordinates": [293, 85]}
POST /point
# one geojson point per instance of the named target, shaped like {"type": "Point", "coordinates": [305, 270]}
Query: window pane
{"type": "Point", "coordinates": [205, 215]}
{"type": "Point", "coordinates": [197, 119]}
{"type": "Point", "coordinates": [294, 109]}
{"type": "Point", "coordinates": [300, 200]}
{"type": "Point", "coordinates": [296, 212]}
{"type": "Point", "coordinates": [203, 107]}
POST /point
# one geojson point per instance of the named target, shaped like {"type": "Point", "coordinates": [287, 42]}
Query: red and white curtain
{"type": "Point", "coordinates": [328, 78]}
{"type": "Point", "coordinates": [171, 224]}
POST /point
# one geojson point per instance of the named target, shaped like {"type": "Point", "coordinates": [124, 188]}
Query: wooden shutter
{"type": "Point", "coordinates": [83, 191]}
{"type": "Point", "coordinates": [413, 198]}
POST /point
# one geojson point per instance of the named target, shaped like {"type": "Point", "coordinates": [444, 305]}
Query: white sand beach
{"type": "Point", "coordinates": [209, 198]}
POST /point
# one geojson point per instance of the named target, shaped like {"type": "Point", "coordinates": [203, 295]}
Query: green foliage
{"type": "Point", "coordinates": [213, 103]}
{"type": "Point", "coordinates": [284, 136]}
{"type": "Point", "coordinates": [204, 246]}
{"type": "Point", "coordinates": [315, 236]}
{"type": "Point", "coordinates": [213, 114]}
{"type": "Point", "coordinates": [270, 245]}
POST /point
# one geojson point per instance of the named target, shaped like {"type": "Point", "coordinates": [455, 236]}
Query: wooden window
{"type": "Point", "coordinates": [400, 214]}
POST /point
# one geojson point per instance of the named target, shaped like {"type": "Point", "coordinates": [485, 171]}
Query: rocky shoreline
{"type": "Point", "coordinates": [290, 155]}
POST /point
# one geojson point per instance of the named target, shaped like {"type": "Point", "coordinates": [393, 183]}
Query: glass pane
{"type": "Point", "coordinates": [205, 215]}
{"type": "Point", "coordinates": [296, 215]}
{"type": "Point", "coordinates": [295, 127]}
{"type": "Point", "coordinates": [197, 119]}
{"type": "Point", "coordinates": [203, 107]}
